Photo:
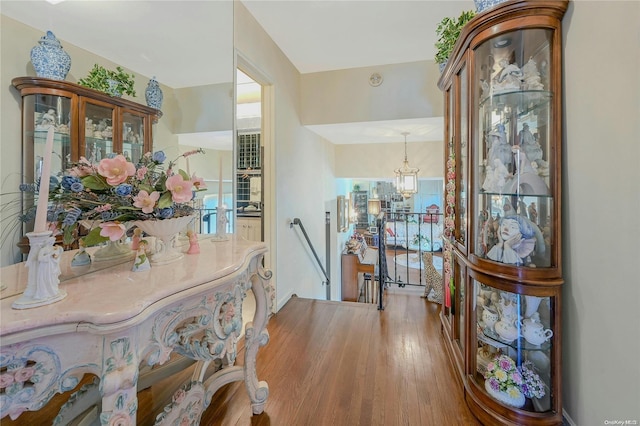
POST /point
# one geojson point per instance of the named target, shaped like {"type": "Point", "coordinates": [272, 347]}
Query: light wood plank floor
{"type": "Point", "coordinates": [333, 363]}
{"type": "Point", "coordinates": [338, 363]}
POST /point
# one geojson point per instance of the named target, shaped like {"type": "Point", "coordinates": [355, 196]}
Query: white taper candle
{"type": "Point", "coordinates": [220, 184]}
{"type": "Point", "coordinates": [43, 192]}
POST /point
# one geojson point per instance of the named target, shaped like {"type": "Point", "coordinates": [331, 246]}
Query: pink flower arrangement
{"type": "Point", "coordinates": [115, 191]}
{"type": "Point", "coordinates": [504, 376]}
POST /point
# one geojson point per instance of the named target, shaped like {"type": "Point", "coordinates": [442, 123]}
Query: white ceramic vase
{"type": "Point", "coordinates": [532, 303]}
{"type": "Point", "coordinates": [165, 231]}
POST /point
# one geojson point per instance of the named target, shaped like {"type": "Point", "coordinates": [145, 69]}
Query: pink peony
{"type": "Point", "coordinates": [180, 189]}
{"type": "Point", "coordinates": [146, 201]}
{"type": "Point", "coordinates": [116, 169]}
{"type": "Point", "coordinates": [113, 230]}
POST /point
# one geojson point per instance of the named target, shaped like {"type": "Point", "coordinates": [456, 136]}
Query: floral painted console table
{"type": "Point", "coordinates": [114, 320]}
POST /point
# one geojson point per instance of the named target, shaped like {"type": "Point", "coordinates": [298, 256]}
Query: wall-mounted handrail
{"type": "Point", "coordinates": [297, 221]}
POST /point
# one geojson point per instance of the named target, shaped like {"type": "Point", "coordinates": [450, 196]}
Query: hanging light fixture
{"type": "Point", "coordinates": [406, 177]}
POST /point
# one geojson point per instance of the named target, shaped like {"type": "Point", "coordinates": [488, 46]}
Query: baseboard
{"type": "Point", "coordinates": [566, 419]}
{"type": "Point", "coordinates": [283, 300]}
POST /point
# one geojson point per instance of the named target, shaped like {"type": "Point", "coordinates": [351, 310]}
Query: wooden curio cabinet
{"type": "Point", "coordinates": [503, 275]}
{"type": "Point", "coordinates": [87, 123]}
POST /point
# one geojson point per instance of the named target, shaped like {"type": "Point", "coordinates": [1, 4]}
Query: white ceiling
{"type": "Point", "coordinates": [158, 38]}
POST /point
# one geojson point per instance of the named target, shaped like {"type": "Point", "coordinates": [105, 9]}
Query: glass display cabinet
{"type": "Point", "coordinates": [502, 322]}
{"type": "Point", "coordinates": [87, 123]}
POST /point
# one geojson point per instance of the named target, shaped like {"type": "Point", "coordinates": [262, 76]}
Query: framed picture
{"type": "Point", "coordinates": [373, 229]}
{"type": "Point", "coordinates": [342, 210]}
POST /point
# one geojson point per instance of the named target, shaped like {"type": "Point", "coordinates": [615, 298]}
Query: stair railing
{"type": "Point", "coordinates": [297, 221]}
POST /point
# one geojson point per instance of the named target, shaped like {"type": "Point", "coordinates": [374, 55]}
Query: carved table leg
{"type": "Point", "coordinates": [118, 384]}
{"type": "Point", "coordinates": [257, 335]}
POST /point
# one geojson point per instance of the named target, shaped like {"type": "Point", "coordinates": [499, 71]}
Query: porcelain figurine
{"type": "Point", "coordinates": [531, 76]}
{"type": "Point", "coordinates": [533, 213]}
{"type": "Point", "coordinates": [81, 258]}
{"type": "Point", "coordinates": [526, 180]}
{"type": "Point", "coordinates": [194, 246]}
{"type": "Point", "coordinates": [516, 241]}
{"type": "Point", "coordinates": [529, 144]}
{"type": "Point", "coordinates": [508, 78]}
{"type": "Point", "coordinates": [141, 262]}
{"type": "Point", "coordinates": [499, 148]}
{"type": "Point", "coordinates": [135, 240]}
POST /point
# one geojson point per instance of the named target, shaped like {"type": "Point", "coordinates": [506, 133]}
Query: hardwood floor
{"type": "Point", "coordinates": [339, 363]}
{"type": "Point", "coordinates": [376, 368]}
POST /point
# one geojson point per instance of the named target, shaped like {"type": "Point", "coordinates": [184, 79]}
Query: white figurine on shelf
{"type": "Point", "coordinates": [533, 213]}
{"type": "Point", "coordinates": [141, 262]}
{"type": "Point", "coordinates": [509, 78]}
{"type": "Point", "coordinates": [499, 148]}
{"type": "Point", "coordinates": [531, 76]}
{"type": "Point", "coordinates": [529, 144]}
{"type": "Point", "coordinates": [496, 177]}
{"type": "Point", "coordinates": [526, 180]}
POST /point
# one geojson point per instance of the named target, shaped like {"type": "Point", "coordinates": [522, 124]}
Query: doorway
{"type": "Point", "coordinates": [249, 158]}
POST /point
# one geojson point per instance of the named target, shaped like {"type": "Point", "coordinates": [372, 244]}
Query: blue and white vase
{"type": "Point", "coordinates": [482, 5]}
{"type": "Point", "coordinates": [49, 58]}
{"type": "Point", "coordinates": [153, 94]}
{"type": "Point", "coordinates": [113, 89]}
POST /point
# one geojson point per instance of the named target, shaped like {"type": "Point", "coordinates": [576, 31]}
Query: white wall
{"type": "Point", "coordinates": [379, 160]}
{"type": "Point", "coordinates": [345, 96]}
{"type": "Point", "coordinates": [601, 200]}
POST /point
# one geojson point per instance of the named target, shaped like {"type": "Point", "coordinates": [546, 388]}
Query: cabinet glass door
{"type": "Point", "coordinates": [96, 135]}
{"type": "Point", "coordinates": [514, 341]}
{"type": "Point", "coordinates": [132, 136]}
{"type": "Point", "coordinates": [40, 113]}
{"type": "Point", "coordinates": [514, 180]}
{"type": "Point", "coordinates": [462, 166]}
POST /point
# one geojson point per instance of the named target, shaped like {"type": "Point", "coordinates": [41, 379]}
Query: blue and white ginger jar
{"type": "Point", "coordinates": [49, 58]}
{"type": "Point", "coordinates": [153, 94]}
{"type": "Point", "coordinates": [482, 5]}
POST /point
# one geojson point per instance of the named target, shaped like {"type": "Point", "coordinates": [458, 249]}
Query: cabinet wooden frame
{"type": "Point", "coordinates": [74, 138]}
{"type": "Point", "coordinates": [535, 30]}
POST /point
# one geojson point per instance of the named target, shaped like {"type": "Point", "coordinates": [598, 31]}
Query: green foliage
{"type": "Point", "coordinates": [114, 83]}
{"type": "Point", "coordinates": [448, 32]}
{"type": "Point", "coordinates": [94, 238]}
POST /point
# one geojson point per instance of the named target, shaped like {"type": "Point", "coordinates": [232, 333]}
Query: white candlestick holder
{"type": "Point", "coordinates": [43, 278]}
{"type": "Point", "coordinates": [221, 225]}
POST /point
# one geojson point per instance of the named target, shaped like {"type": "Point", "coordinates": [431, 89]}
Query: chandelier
{"type": "Point", "coordinates": [406, 177]}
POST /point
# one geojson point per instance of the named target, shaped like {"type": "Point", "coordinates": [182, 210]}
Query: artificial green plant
{"type": "Point", "coordinates": [448, 31]}
{"type": "Point", "coordinates": [114, 83]}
